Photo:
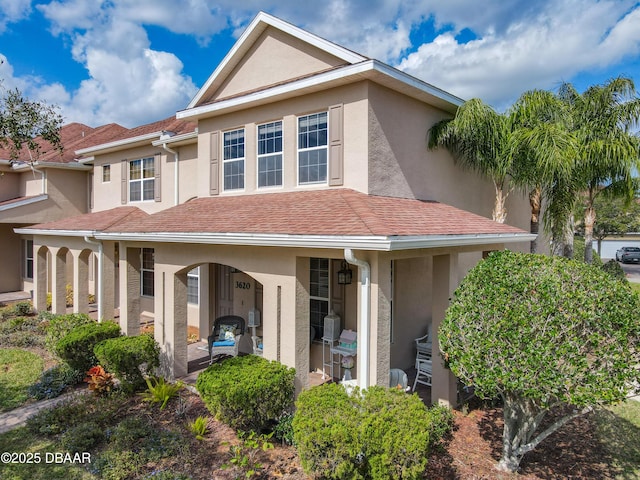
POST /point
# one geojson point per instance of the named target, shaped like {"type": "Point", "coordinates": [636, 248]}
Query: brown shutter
{"type": "Point", "coordinates": [123, 181]}
{"type": "Point", "coordinates": [157, 185]}
{"type": "Point", "coordinates": [336, 132]}
{"type": "Point", "coordinates": [214, 164]}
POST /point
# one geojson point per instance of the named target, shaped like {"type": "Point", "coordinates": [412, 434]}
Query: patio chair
{"type": "Point", "coordinates": [423, 347]}
{"type": "Point", "coordinates": [225, 336]}
{"type": "Point", "coordinates": [398, 379]}
{"type": "Point", "coordinates": [424, 372]}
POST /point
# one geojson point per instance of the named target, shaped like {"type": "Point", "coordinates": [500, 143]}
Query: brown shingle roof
{"type": "Point", "coordinates": [318, 212]}
{"type": "Point", "coordinates": [96, 221]}
{"type": "Point", "coordinates": [170, 124]}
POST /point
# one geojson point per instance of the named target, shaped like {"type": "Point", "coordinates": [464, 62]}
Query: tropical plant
{"type": "Point", "coordinates": [543, 334]}
{"type": "Point", "coordinates": [100, 382]}
{"type": "Point", "coordinates": [160, 391]}
{"type": "Point", "coordinates": [608, 153]}
{"type": "Point", "coordinates": [199, 427]}
{"type": "Point", "coordinates": [244, 455]}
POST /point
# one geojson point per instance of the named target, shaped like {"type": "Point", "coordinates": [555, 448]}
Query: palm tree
{"type": "Point", "coordinates": [543, 148]}
{"type": "Point", "coordinates": [478, 138]}
{"type": "Point", "coordinates": [608, 154]}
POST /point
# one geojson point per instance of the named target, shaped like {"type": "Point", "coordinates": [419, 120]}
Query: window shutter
{"type": "Point", "coordinates": [91, 193]}
{"type": "Point", "coordinates": [123, 181]}
{"type": "Point", "coordinates": [157, 186]}
{"type": "Point", "coordinates": [336, 130]}
{"type": "Point", "coordinates": [214, 164]}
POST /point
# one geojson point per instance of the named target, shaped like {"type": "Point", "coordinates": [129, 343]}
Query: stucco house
{"type": "Point", "coordinates": [297, 160]}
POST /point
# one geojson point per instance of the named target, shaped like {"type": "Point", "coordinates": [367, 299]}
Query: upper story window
{"type": "Point", "coordinates": [270, 155]}
{"type": "Point", "coordinates": [106, 173]}
{"type": "Point", "coordinates": [142, 179]}
{"type": "Point", "coordinates": [312, 148]}
{"type": "Point", "coordinates": [233, 159]}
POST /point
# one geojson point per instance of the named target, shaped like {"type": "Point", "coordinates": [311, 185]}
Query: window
{"type": "Point", "coordinates": [270, 155]}
{"type": "Point", "coordinates": [193, 287]}
{"type": "Point", "coordinates": [142, 179]}
{"type": "Point", "coordinates": [28, 259]}
{"type": "Point", "coordinates": [312, 148]}
{"type": "Point", "coordinates": [106, 173]}
{"type": "Point", "coordinates": [146, 272]}
{"type": "Point", "coordinates": [233, 159]}
{"type": "Point", "coordinates": [319, 294]}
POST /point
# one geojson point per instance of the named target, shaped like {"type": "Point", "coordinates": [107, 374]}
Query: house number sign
{"type": "Point", "coordinates": [243, 285]}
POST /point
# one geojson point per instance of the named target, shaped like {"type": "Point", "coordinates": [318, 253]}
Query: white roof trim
{"type": "Point", "coordinates": [371, 242]}
{"type": "Point", "coordinates": [55, 233]}
{"type": "Point", "coordinates": [63, 165]}
{"type": "Point", "coordinates": [118, 143]}
{"type": "Point", "coordinates": [258, 25]}
{"type": "Point", "coordinates": [363, 68]}
{"type": "Point", "coordinates": [26, 201]}
{"type": "Point", "coordinates": [175, 139]}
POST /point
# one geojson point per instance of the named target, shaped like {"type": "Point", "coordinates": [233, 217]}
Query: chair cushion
{"type": "Point", "coordinates": [227, 332]}
{"type": "Point", "coordinates": [224, 343]}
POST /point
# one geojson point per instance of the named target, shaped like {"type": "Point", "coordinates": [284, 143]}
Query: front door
{"type": "Point", "coordinates": [224, 290]}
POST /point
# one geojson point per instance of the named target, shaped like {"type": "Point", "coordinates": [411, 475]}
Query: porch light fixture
{"type": "Point", "coordinates": [345, 274]}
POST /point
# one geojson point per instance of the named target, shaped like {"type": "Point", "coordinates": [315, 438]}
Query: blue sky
{"type": "Point", "coordinates": [137, 61]}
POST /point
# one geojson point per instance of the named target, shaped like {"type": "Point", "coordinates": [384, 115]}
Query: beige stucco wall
{"type": "Point", "coordinates": [9, 186]}
{"type": "Point", "coordinates": [10, 259]}
{"type": "Point", "coordinates": [402, 166]}
{"type": "Point", "coordinates": [278, 57]}
{"type": "Point", "coordinates": [107, 195]}
{"type": "Point", "coordinates": [353, 97]}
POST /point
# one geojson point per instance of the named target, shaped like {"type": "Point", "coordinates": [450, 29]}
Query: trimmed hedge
{"type": "Point", "coordinates": [247, 393]}
{"type": "Point", "coordinates": [378, 433]}
{"type": "Point", "coordinates": [129, 358]}
{"type": "Point", "coordinates": [76, 347]}
{"type": "Point", "coordinates": [57, 326]}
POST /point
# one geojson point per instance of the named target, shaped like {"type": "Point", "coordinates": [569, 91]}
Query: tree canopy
{"type": "Point", "coordinates": [541, 332]}
{"type": "Point", "coordinates": [22, 121]}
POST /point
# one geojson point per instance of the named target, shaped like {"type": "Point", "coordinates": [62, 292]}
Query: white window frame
{"type": "Point", "coordinates": [318, 298]}
{"type": "Point", "coordinates": [106, 173]}
{"type": "Point", "coordinates": [147, 177]}
{"type": "Point", "coordinates": [230, 155]}
{"type": "Point", "coordinates": [274, 153]}
{"type": "Point", "coordinates": [28, 259]}
{"type": "Point", "coordinates": [316, 148]}
{"type": "Point", "coordinates": [146, 269]}
{"type": "Point", "coordinates": [194, 276]}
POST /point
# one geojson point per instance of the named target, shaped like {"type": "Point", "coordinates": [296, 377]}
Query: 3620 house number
{"type": "Point", "coordinates": [243, 285]}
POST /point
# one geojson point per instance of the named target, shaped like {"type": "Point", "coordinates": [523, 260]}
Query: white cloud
{"type": "Point", "coordinates": [545, 49]}
{"type": "Point", "coordinates": [12, 11]}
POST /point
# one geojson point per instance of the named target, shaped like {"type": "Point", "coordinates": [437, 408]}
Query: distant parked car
{"type": "Point", "coordinates": [628, 255]}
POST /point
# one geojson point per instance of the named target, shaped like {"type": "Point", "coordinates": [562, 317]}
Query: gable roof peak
{"type": "Point", "coordinates": [251, 34]}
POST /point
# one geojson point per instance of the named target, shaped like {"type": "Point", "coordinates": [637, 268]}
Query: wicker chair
{"type": "Point", "coordinates": [225, 337]}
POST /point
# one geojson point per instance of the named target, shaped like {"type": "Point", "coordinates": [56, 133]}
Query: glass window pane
{"type": "Point", "coordinates": [135, 170]}
{"type": "Point", "coordinates": [135, 191]}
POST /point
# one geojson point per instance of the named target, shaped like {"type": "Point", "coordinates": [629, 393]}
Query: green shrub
{"type": "Point", "coordinates": [283, 430]}
{"type": "Point", "coordinates": [20, 332]}
{"type": "Point", "coordinates": [54, 381]}
{"type": "Point", "coordinates": [614, 269]}
{"type": "Point", "coordinates": [129, 358]}
{"type": "Point", "coordinates": [247, 393]}
{"type": "Point", "coordinates": [23, 308]}
{"type": "Point", "coordinates": [378, 433]}
{"type": "Point", "coordinates": [76, 347]}
{"type": "Point", "coordinates": [82, 438]}
{"type": "Point", "coordinates": [58, 326]}
{"type": "Point", "coordinates": [199, 427]}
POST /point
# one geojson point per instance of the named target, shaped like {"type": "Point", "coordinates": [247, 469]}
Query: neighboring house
{"type": "Point", "coordinates": [297, 160]}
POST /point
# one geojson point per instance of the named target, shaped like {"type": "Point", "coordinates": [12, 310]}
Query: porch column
{"type": "Point", "coordinates": [108, 280]}
{"type": "Point", "coordinates": [444, 388]}
{"type": "Point", "coordinates": [59, 281]}
{"type": "Point", "coordinates": [81, 281]}
{"type": "Point", "coordinates": [204, 300]}
{"type": "Point", "coordinates": [130, 290]}
{"type": "Point", "coordinates": [170, 323]}
{"type": "Point", "coordinates": [381, 329]}
{"type": "Point", "coordinates": [295, 328]}
{"type": "Point", "coordinates": [40, 278]}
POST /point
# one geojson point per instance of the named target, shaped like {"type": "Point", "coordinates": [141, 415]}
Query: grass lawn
{"type": "Point", "coordinates": [635, 287]}
{"type": "Point", "coordinates": [619, 431]}
{"type": "Point", "coordinates": [18, 370]}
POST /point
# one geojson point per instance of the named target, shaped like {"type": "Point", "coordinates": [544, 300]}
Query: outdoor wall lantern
{"type": "Point", "coordinates": [345, 274]}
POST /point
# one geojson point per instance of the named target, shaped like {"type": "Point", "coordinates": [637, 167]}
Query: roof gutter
{"type": "Point", "coordinates": [100, 275]}
{"type": "Point", "coordinates": [364, 320]}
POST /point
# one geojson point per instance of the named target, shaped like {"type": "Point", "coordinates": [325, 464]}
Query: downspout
{"type": "Point", "coordinates": [43, 176]}
{"type": "Point", "coordinates": [176, 186]}
{"type": "Point", "coordinates": [99, 277]}
{"type": "Point", "coordinates": [364, 321]}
